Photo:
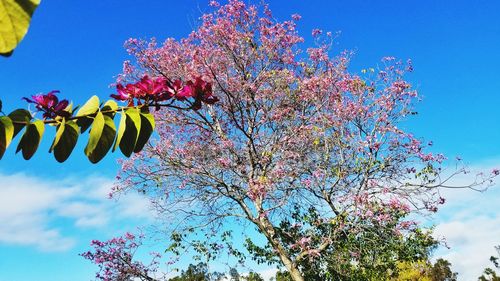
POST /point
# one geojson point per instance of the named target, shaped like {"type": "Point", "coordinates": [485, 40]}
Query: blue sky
{"type": "Point", "coordinates": [76, 47]}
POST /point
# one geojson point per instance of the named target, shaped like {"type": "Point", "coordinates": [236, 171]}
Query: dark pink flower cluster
{"type": "Point", "coordinates": [154, 90]}
{"type": "Point", "coordinates": [115, 259]}
{"type": "Point", "coordinates": [49, 104]}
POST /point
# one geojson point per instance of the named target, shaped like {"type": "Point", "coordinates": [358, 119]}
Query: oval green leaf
{"type": "Point", "coordinates": [111, 106]}
{"type": "Point", "coordinates": [90, 107]}
{"type": "Point", "coordinates": [121, 130]}
{"type": "Point", "coordinates": [15, 17]}
{"type": "Point", "coordinates": [131, 133]}
{"type": "Point", "coordinates": [20, 115]}
{"type": "Point", "coordinates": [95, 133]}
{"type": "Point", "coordinates": [67, 141]}
{"type": "Point", "coordinates": [85, 112]}
{"type": "Point", "coordinates": [31, 139]}
{"type": "Point", "coordinates": [147, 128]}
{"type": "Point", "coordinates": [105, 141]}
{"type": "Point", "coordinates": [6, 133]}
{"type": "Point", "coordinates": [59, 133]}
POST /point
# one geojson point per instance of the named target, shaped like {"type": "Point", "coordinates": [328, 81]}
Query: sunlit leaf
{"type": "Point", "coordinates": [15, 17]}
{"type": "Point", "coordinates": [111, 106]}
{"type": "Point", "coordinates": [105, 142]}
{"type": "Point", "coordinates": [89, 108]}
{"type": "Point", "coordinates": [95, 133]}
{"type": "Point", "coordinates": [121, 130]}
{"type": "Point", "coordinates": [6, 133]}
{"type": "Point", "coordinates": [59, 133]}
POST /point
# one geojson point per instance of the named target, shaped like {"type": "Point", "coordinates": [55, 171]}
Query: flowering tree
{"type": "Point", "coordinates": [293, 131]}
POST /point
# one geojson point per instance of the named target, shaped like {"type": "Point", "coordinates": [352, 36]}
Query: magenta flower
{"type": "Point", "coordinates": [202, 92]}
{"type": "Point", "coordinates": [161, 89]}
{"type": "Point", "coordinates": [182, 92]}
{"type": "Point", "coordinates": [155, 89]}
{"type": "Point", "coordinates": [49, 104]}
{"type": "Point", "coordinates": [152, 88]}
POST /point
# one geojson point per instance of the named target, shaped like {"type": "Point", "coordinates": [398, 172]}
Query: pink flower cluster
{"type": "Point", "coordinates": [114, 258]}
{"type": "Point", "coordinates": [153, 90]}
{"type": "Point", "coordinates": [49, 104]}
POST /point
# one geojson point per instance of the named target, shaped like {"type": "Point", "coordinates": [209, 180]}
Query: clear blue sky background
{"type": "Point", "coordinates": [76, 47]}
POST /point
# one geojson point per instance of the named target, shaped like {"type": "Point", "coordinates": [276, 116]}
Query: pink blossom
{"type": "Point", "coordinates": [49, 104]}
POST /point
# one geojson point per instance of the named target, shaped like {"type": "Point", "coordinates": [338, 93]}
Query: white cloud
{"type": "Point", "coordinates": [32, 208]}
{"type": "Point", "coordinates": [268, 273]}
{"type": "Point", "coordinates": [470, 224]}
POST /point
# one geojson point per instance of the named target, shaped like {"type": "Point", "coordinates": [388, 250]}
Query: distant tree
{"type": "Point", "coordinates": [489, 274]}
{"type": "Point", "coordinates": [253, 276]}
{"type": "Point", "coordinates": [283, 276]}
{"type": "Point", "coordinates": [423, 270]}
{"type": "Point", "coordinates": [198, 272]}
{"type": "Point", "coordinates": [441, 271]}
{"type": "Point", "coordinates": [234, 275]}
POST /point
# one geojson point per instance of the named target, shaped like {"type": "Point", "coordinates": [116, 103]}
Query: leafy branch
{"type": "Point", "coordinates": [134, 129]}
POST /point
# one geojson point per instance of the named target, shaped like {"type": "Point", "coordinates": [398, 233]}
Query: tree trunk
{"type": "Point", "coordinates": [266, 227]}
{"type": "Point", "coordinates": [292, 268]}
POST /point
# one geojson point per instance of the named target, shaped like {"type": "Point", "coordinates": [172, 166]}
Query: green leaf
{"type": "Point", "coordinates": [20, 115]}
{"type": "Point", "coordinates": [105, 142]}
{"type": "Point", "coordinates": [112, 106]}
{"type": "Point", "coordinates": [69, 108]}
{"type": "Point", "coordinates": [6, 133]}
{"type": "Point", "coordinates": [89, 108]}
{"type": "Point", "coordinates": [59, 133]}
{"type": "Point", "coordinates": [67, 142]}
{"type": "Point", "coordinates": [121, 130]}
{"type": "Point", "coordinates": [95, 133]}
{"type": "Point", "coordinates": [129, 137]}
{"type": "Point", "coordinates": [31, 139]}
{"type": "Point", "coordinates": [147, 128]}
{"type": "Point", "coordinates": [15, 17]}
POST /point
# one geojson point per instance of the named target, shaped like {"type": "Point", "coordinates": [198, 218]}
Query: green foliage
{"type": "Point", "coordinates": [131, 131]}
{"type": "Point", "coordinates": [252, 276]}
{"type": "Point", "coordinates": [31, 139]}
{"type": "Point", "coordinates": [20, 117]}
{"type": "Point", "coordinates": [147, 128]}
{"type": "Point", "coordinates": [15, 17]}
{"type": "Point", "coordinates": [104, 141]}
{"type": "Point", "coordinates": [423, 270]}
{"type": "Point", "coordinates": [65, 141]}
{"type": "Point", "coordinates": [441, 271]}
{"type": "Point", "coordinates": [6, 133]}
{"type": "Point", "coordinates": [135, 129]}
{"type": "Point", "coordinates": [490, 274]}
{"type": "Point", "coordinates": [371, 254]}
{"type": "Point", "coordinates": [86, 111]}
{"type": "Point", "coordinates": [198, 272]}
